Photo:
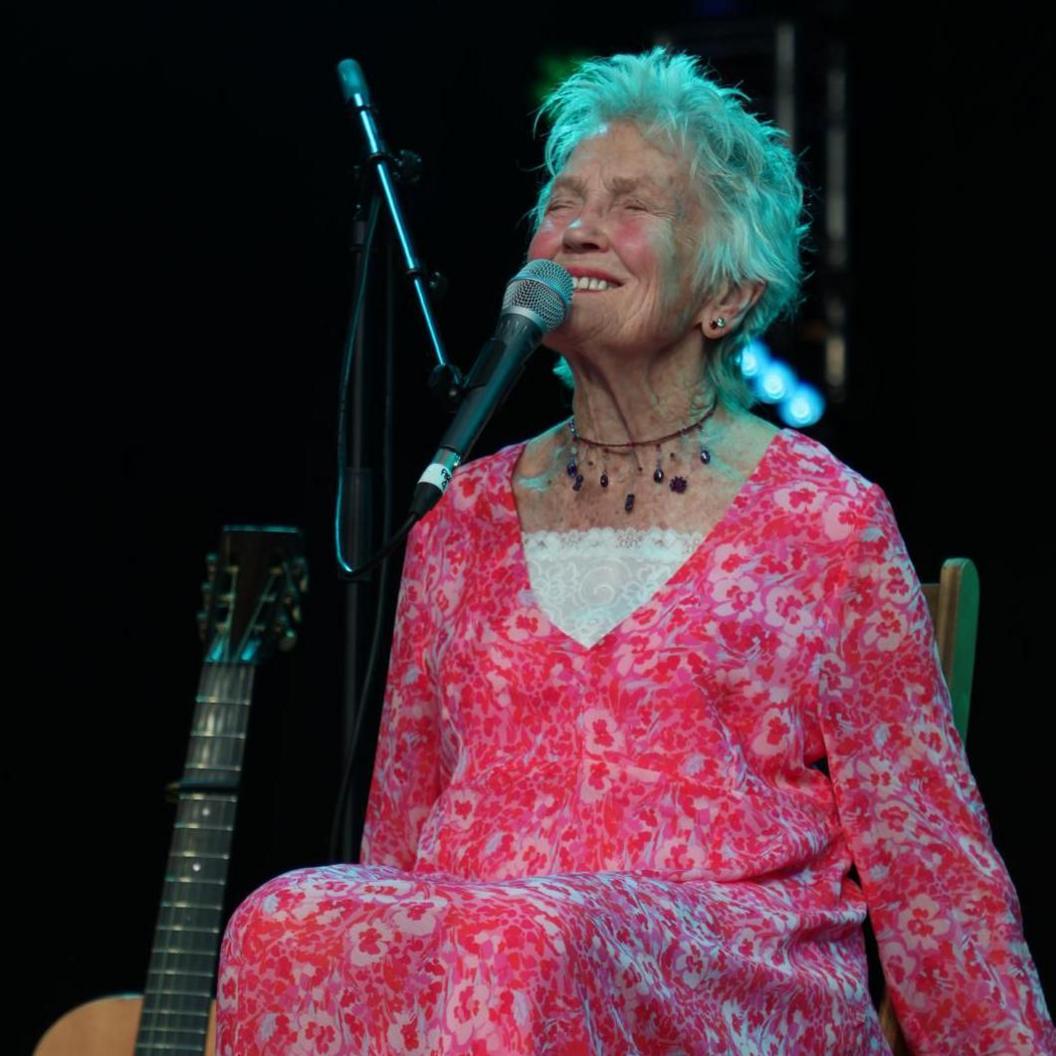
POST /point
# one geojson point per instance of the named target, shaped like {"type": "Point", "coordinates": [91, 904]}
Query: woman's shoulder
{"type": "Point", "coordinates": [807, 461]}
{"type": "Point", "coordinates": [815, 496]}
{"type": "Point", "coordinates": [496, 470]}
{"type": "Point", "coordinates": [482, 481]}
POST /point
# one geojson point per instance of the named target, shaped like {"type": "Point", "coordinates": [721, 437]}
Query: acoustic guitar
{"type": "Point", "coordinates": [252, 597]}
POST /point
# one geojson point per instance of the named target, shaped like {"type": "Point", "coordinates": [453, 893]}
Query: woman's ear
{"type": "Point", "coordinates": [722, 313]}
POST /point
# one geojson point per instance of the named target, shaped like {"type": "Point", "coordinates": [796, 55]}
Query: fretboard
{"type": "Point", "coordinates": [182, 970]}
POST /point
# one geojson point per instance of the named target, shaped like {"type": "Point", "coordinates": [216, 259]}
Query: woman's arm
{"type": "Point", "coordinates": [944, 910]}
{"type": "Point", "coordinates": [407, 775]}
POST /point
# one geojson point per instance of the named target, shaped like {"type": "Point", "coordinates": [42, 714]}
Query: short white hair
{"type": "Point", "coordinates": [741, 165]}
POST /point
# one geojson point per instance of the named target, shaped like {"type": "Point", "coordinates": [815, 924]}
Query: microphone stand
{"type": "Point", "coordinates": [446, 378]}
{"type": "Point", "coordinates": [354, 514]}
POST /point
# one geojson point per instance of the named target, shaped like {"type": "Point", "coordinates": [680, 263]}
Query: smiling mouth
{"type": "Point", "coordinates": [585, 284]}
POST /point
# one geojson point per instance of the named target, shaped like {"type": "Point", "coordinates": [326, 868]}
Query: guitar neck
{"type": "Point", "coordinates": [182, 968]}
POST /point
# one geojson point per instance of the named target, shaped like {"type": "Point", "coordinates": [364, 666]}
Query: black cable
{"type": "Point", "coordinates": [344, 809]}
{"type": "Point", "coordinates": [345, 570]}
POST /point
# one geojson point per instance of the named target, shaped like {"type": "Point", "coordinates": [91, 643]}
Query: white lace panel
{"type": "Point", "coordinates": [589, 581]}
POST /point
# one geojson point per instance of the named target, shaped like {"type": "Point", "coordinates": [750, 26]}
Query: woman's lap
{"type": "Point", "coordinates": [349, 959]}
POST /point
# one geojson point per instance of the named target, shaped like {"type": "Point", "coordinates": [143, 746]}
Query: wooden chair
{"type": "Point", "coordinates": [954, 605]}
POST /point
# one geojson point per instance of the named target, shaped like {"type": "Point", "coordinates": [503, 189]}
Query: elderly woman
{"type": "Point", "coordinates": [601, 820]}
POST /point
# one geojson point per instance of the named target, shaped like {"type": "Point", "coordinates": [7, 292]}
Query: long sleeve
{"type": "Point", "coordinates": [944, 910]}
{"type": "Point", "coordinates": [407, 777]}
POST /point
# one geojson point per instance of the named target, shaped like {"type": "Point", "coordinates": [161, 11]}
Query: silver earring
{"type": "Point", "coordinates": [718, 323]}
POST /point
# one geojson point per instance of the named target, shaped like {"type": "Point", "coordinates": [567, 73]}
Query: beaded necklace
{"type": "Point", "coordinates": [677, 483]}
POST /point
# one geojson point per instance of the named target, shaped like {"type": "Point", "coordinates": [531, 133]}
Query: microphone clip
{"type": "Point", "coordinates": [447, 384]}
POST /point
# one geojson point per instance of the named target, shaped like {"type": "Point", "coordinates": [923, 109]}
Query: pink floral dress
{"type": "Point", "coordinates": [630, 848]}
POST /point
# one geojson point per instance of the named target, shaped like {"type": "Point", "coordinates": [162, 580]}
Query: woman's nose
{"type": "Point", "coordinates": [586, 232]}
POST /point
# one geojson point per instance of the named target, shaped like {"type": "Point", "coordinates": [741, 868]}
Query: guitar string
{"type": "Point", "coordinates": [225, 759]}
{"type": "Point", "coordinates": [210, 714]}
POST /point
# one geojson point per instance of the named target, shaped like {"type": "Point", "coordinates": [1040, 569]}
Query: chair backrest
{"type": "Point", "coordinates": [954, 605]}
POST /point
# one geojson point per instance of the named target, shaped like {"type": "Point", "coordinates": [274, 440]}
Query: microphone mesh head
{"type": "Point", "coordinates": [541, 287]}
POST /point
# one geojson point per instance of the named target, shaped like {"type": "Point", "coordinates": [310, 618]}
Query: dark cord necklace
{"type": "Point", "coordinates": [677, 483]}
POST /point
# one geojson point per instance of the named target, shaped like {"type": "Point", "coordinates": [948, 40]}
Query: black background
{"type": "Point", "coordinates": [181, 203]}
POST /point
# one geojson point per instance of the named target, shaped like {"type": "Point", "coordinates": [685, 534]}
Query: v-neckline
{"type": "Point", "coordinates": [750, 484]}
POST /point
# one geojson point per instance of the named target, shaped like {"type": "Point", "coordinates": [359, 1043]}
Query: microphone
{"type": "Point", "coordinates": [537, 301]}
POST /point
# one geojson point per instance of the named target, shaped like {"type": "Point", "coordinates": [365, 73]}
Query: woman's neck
{"type": "Point", "coordinates": [641, 400]}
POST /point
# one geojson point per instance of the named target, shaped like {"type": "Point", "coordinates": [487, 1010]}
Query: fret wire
{"type": "Point", "coordinates": [190, 1026]}
{"type": "Point", "coordinates": [197, 945]}
{"type": "Point", "coordinates": [236, 701]}
{"type": "Point", "coordinates": [151, 1046]}
{"type": "Point", "coordinates": [190, 1034]}
{"type": "Point", "coordinates": [214, 850]}
{"type": "Point", "coordinates": [203, 832]}
{"type": "Point", "coordinates": [222, 801]}
{"type": "Point", "coordinates": [215, 724]}
{"type": "Point", "coordinates": [207, 813]}
{"type": "Point", "coordinates": [186, 1047]}
{"type": "Point", "coordinates": [178, 1030]}
{"type": "Point", "coordinates": [208, 950]}
{"type": "Point", "coordinates": [183, 953]}
{"type": "Point", "coordinates": [180, 998]}
{"type": "Point", "coordinates": [231, 742]}
{"type": "Point", "coordinates": [211, 923]}
{"type": "Point", "coordinates": [178, 971]}
{"type": "Point", "coordinates": [200, 1008]}
{"type": "Point", "coordinates": [220, 688]}
{"type": "Point", "coordinates": [230, 749]}
{"type": "Point", "coordinates": [209, 871]}
{"type": "Point", "coordinates": [210, 824]}
{"type": "Point", "coordinates": [211, 841]}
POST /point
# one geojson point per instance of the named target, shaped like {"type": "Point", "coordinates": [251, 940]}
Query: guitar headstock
{"type": "Point", "coordinates": [252, 594]}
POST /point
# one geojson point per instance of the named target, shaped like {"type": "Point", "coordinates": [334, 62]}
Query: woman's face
{"type": "Point", "coordinates": [623, 212]}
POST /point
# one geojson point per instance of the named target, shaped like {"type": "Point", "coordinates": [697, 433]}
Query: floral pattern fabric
{"type": "Point", "coordinates": [632, 847]}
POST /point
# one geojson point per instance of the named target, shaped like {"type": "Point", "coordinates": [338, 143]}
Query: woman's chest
{"type": "Point", "coordinates": [718, 668]}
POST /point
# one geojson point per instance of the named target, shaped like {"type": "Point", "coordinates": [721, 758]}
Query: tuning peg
{"type": "Point", "coordinates": [288, 640]}
{"type": "Point", "coordinates": [203, 625]}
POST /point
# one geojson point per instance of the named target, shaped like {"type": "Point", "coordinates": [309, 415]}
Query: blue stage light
{"type": "Point", "coordinates": [755, 358]}
{"type": "Point", "coordinates": [776, 382]}
{"type": "Point", "coordinates": [804, 406]}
